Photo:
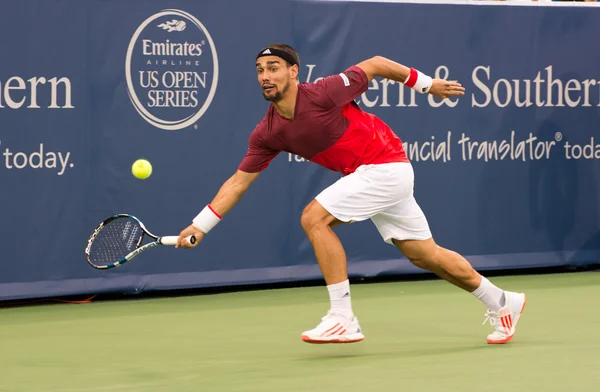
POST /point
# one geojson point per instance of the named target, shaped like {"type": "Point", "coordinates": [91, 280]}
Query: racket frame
{"type": "Point", "coordinates": [167, 240]}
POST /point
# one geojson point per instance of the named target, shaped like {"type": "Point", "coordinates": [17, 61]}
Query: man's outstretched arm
{"type": "Point", "coordinates": [386, 68]}
{"type": "Point", "coordinates": [230, 193]}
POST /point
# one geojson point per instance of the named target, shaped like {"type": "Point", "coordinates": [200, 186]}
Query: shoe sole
{"type": "Point", "coordinates": [508, 338]}
{"type": "Point", "coordinates": [308, 339]}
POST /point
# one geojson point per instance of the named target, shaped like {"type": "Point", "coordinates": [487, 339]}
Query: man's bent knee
{"type": "Point", "coordinates": [421, 253]}
{"type": "Point", "coordinates": [315, 216]}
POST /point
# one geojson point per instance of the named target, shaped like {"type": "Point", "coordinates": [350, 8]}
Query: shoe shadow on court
{"type": "Point", "coordinates": [361, 351]}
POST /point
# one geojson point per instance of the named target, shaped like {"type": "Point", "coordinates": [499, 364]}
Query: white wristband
{"type": "Point", "coordinates": [206, 219]}
{"type": "Point", "coordinates": [418, 81]}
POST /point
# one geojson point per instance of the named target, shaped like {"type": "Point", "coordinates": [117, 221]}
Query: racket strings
{"type": "Point", "coordinates": [115, 240]}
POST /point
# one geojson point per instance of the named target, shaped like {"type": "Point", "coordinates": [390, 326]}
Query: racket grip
{"type": "Point", "coordinates": [172, 240]}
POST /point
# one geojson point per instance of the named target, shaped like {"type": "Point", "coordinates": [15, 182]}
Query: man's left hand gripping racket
{"type": "Point", "coordinates": [118, 239]}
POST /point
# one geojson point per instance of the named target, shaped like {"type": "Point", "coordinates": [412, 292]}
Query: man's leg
{"type": "Point", "coordinates": [317, 223]}
{"type": "Point", "coordinates": [356, 197]}
{"type": "Point", "coordinates": [446, 264]}
{"type": "Point", "coordinates": [504, 308]}
{"type": "Point", "coordinates": [339, 325]}
{"type": "Point", "coordinates": [351, 198]}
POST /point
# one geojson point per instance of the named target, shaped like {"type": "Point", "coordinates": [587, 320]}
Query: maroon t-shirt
{"type": "Point", "coordinates": [328, 128]}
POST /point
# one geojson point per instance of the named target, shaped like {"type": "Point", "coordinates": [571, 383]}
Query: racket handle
{"type": "Point", "coordinates": [172, 240]}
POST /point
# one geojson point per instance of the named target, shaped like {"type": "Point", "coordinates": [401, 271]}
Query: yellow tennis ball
{"type": "Point", "coordinates": [141, 169]}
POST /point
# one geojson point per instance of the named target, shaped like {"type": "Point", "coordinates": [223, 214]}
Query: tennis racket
{"type": "Point", "coordinates": [118, 239]}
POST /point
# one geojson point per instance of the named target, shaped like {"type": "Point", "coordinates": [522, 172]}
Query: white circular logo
{"type": "Point", "coordinates": [171, 73]}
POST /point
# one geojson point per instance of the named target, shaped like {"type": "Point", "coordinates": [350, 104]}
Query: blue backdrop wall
{"type": "Point", "coordinates": [507, 175]}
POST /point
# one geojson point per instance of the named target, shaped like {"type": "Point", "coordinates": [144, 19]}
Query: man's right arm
{"type": "Point", "coordinates": [257, 158]}
{"type": "Point", "coordinates": [231, 191]}
{"type": "Point", "coordinates": [229, 194]}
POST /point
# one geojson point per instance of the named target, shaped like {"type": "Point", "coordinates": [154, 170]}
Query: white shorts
{"type": "Point", "coordinates": [382, 193]}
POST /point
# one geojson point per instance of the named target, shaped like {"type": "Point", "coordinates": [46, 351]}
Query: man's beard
{"type": "Point", "coordinates": [278, 95]}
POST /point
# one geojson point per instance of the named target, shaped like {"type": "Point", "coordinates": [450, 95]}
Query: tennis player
{"type": "Point", "coordinates": [321, 122]}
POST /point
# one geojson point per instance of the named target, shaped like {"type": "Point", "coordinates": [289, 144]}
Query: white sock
{"type": "Point", "coordinates": [339, 295]}
{"type": "Point", "coordinates": [490, 295]}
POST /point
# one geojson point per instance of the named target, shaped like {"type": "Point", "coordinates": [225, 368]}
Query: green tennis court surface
{"type": "Point", "coordinates": [420, 336]}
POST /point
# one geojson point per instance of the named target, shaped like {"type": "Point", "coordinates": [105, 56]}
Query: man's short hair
{"type": "Point", "coordinates": [287, 49]}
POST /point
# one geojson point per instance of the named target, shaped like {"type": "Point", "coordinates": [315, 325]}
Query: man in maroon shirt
{"type": "Point", "coordinates": [321, 122]}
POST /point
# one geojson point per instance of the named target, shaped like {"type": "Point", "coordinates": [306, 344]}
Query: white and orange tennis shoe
{"type": "Point", "coordinates": [505, 320]}
{"type": "Point", "coordinates": [334, 328]}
